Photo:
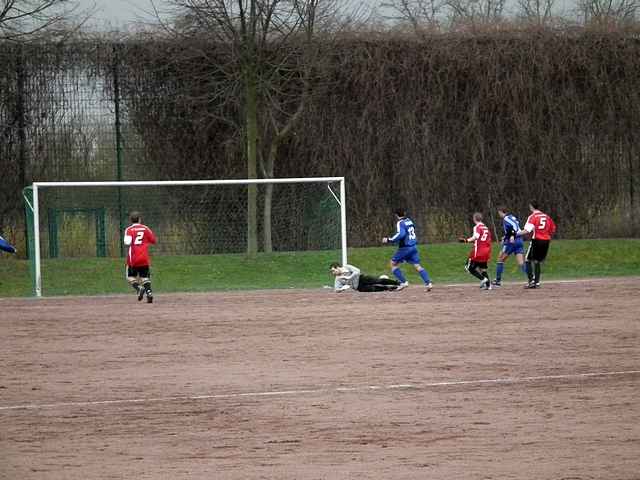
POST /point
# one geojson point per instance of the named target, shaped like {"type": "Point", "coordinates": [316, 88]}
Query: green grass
{"type": "Point", "coordinates": [567, 259]}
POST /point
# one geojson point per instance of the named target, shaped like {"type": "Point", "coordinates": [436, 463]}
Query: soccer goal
{"type": "Point", "coordinates": [278, 225]}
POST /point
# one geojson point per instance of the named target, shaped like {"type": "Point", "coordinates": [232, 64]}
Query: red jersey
{"type": "Point", "coordinates": [138, 237]}
{"type": "Point", "coordinates": [481, 251]}
{"type": "Point", "coordinates": [540, 226]}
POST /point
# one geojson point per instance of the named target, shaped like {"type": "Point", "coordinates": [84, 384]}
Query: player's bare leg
{"type": "Point", "coordinates": [502, 258]}
{"type": "Point", "coordinates": [521, 263]}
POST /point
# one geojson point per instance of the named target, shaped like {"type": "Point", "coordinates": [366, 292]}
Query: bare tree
{"type": "Point", "coordinates": [270, 51]}
{"type": "Point", "coordinates": [476, 12]}
{"type": "Point", "coordinates": [420, 14]}
{"type": "Point", "coordinates": [22, 18]}
{"type": "Point", "coordinates": [538, 12]}
{"type": "Point", "coordinates": [609, 11]}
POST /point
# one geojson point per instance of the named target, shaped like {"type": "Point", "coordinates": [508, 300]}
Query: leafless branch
{"type": "Point", "coordinates": [538, 12]}
{"type": "Point", "coordinates": [420, 14]}
{"type": "Point", "coordinates": [20, 19]}
{"type": "Point", "coordinates": [476, 12]}
{"type": "Point", "coordinates": [610, 10]}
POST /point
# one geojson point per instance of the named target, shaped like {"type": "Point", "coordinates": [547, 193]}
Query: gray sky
{"type": "Point", "coordinates": [120, 12]}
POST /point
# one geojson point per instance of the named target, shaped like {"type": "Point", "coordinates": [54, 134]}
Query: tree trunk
{"type": "Point", "coordinates": [266, 222]}
{"type": "Point", "coordinates": [22, 130]}
{"type": "Point", "coordinates": [252, 167]}
{"type": "Point", "coordinates": [267, 172]}
{"type": "Point", "coordinates": [267, 167]}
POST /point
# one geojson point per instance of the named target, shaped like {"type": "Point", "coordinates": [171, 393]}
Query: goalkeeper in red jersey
{"type": "Point", "coordinates": [138, 237]}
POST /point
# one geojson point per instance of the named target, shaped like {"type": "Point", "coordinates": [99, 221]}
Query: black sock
{"type": "Point", "coordinates": [537, 272]}
{"type": "Point", "coordinates": [529, 271]}
{"type": "Point", "coordinates": [135, 286]}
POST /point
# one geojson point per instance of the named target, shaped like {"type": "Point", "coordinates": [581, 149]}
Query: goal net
{"type": "Point", "coordinates": [206, 240]}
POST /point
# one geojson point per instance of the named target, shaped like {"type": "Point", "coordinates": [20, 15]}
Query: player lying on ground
{"type": "Point", "coordinates": [511, 243]}
{"type": "Point", "coordinates": [6, 246]}
{"type": "Point", "coordinates": [349, 277]}
{"type": "Point", "coordinates": [480, 254]}
{"type": "Point", "coordinates": [138, 237]}
{"type": "Point", "coordinates": [541, 228]}
{"type": "Point", "coordinates": [406, 238]}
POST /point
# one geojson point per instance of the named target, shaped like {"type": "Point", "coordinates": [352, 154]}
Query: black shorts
{"type": "Point", "coordinates": [471, 265]}
{"type": "Point", "coordinates": [538, 250]}
{"type": "Point", "coordinates": [142, 272]}
{"type": "Point", "coordinates": [368, 283]}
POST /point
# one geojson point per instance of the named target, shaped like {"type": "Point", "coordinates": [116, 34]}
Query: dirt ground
{"type": "Point", "coordinates": [453, 384]}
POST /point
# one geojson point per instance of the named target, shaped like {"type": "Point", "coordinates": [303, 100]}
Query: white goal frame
{"type": "Point", "coordinates": [342, 200]}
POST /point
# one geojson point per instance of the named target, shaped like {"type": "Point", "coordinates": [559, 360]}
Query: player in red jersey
{"type": "Point", "coordinates": [480, 254]}
{"type": "Point", "coordinates": [541, 228]}
{"type": "Point", "coordinates": [138, 237]}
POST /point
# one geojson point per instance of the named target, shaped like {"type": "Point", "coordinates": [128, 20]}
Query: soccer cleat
{"type": "Point", "coordinates": [149, 297]}
{"type": "Point", "coordinates": [483, 283]}
{"type": "Point", "coordinates": [343, 288]}
{"type": "Point", "coordinates": [402, 286]}
{"type": "Point", "coordinates": [140, 293]}
{"type": "Point", "coordinates": [428, 286]}
{"type": "Point", "coordinates": [531, 285]}
{"type": "Point", "coordinates": [496, 283]}
{"type": "Point", "coordinates": [537, 284]}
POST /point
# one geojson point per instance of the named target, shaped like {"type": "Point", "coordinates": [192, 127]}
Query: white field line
{"type": "Point", "coordinates": [283, 393]}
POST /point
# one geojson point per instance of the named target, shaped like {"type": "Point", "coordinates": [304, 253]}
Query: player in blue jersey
{"type": "Point", "coordinates": [6, 246]}
{"type": "Point", "coordinates": [406, 239]}
{"type": "Point", "coordinates": [511, 243]}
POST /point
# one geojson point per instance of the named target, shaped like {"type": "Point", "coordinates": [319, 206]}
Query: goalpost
{"type": "Point", "coordinates": [191, 217]}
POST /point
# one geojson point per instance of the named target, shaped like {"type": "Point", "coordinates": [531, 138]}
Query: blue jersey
{"type": "Point", "coordinates": [511, 225]}
{"type": "Point", "coordinates": [405, 234]}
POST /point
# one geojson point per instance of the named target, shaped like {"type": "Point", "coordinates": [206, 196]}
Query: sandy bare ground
{"type": "Point", "coordinates": [454, 384]}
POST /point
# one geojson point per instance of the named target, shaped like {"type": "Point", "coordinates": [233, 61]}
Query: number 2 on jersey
{"type": "Point", "coordinates": [139, 237]}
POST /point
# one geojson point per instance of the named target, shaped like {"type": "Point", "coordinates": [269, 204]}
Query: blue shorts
{"type": "Point", "coordinates": [513, 248]}
{"type": "Point", "coordinates": [406, 254]}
